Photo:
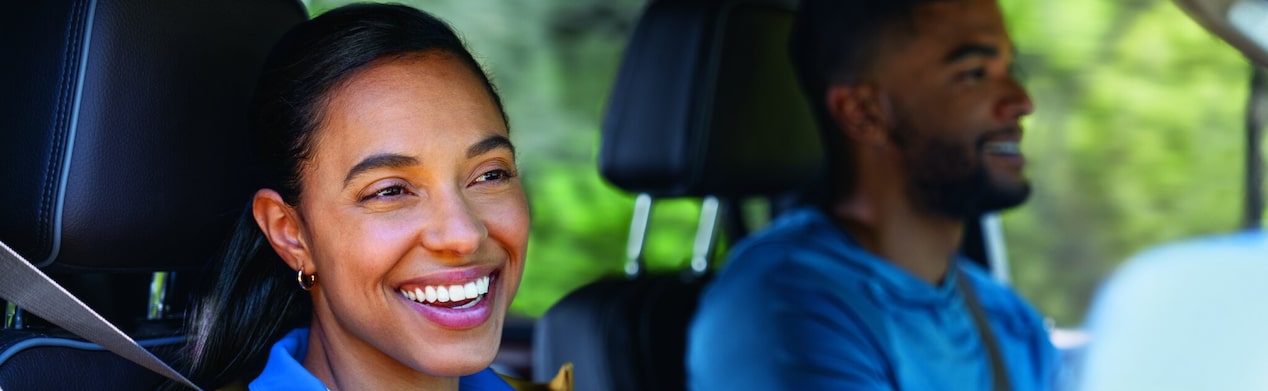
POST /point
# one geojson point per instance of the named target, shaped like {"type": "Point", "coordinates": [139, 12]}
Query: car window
{"type": "Point", "coordinates": [1137, 139]}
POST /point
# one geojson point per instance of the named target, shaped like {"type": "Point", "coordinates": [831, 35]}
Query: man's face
{"type": "Point", "coordinates": [954, 108]}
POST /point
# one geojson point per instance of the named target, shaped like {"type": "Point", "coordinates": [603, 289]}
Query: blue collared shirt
{"type": "Point", "coordinates": [803, 306]}
{"type": "Point", "coordinates": [283, 370]}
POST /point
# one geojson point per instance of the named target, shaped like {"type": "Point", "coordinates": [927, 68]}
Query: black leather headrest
{"type": "Point", "coordinates": [124, 127]}
{"type": "Point", "coordinates": [706, 103]}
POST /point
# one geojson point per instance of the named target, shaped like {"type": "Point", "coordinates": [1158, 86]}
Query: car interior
{"type": "Point", "coordinates": [126, 159]}
{"type": "Point", "coordinates": [689, 116]}
{"type": "Point", "coordinates": [704, 106]}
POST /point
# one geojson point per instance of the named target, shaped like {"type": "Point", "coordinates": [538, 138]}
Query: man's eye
{"type": "Point", "coordinates": [978, 73]}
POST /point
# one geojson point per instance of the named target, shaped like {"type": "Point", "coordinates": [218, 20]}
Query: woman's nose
{"type": "Point", "coordinates": [452, 227]}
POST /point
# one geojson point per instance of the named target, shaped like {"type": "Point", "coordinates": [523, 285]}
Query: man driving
{"type": "Point", "coordinates": [864, 289]}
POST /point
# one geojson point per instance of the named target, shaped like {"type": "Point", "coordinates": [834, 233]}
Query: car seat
{"type": "Point", "coordinates": [1181, 316]}
{"type": "Point", "coordinates": [124, 161]}
{"type": "Point", "coordinates": [705, 105]}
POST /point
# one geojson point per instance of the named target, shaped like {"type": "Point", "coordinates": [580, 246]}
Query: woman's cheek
{"type": "Point", "coordinates": [506, 213]}
{"type": "Point", "coordinates": [385, 233]}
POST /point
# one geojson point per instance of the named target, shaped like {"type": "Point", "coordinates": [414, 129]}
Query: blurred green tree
{"type": "Point", "coordinates": [1137, 139]}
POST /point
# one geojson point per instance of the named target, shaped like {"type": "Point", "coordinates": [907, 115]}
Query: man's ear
{"type": "Point", "coordinates": [282, 227]}
{"type": "Point", "coordinates": [859, 112]}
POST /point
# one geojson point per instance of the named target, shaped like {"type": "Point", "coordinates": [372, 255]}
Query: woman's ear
{"type": "Point", "coordinates": [282, 226]}
{"type": "Point", "coordinates": [859, 112]}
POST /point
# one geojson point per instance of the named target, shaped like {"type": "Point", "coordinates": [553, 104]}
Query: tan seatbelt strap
{"type": "Point", "coordinates": [31, 289]}
{"type": "Point", "coordinates": [999, 372]}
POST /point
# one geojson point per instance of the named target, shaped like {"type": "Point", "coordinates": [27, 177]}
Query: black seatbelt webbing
{"type": "Point", "coordinates": [28, 287]}
{"type": "Point", "coordinates": [999, 372]}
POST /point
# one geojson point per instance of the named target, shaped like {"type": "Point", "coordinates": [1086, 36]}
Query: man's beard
{"type": "Point", "coordinates": [943, 178]}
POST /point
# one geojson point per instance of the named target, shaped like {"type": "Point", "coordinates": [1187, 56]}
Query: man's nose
{"type": "Point", "coordinates": [1015, 102]}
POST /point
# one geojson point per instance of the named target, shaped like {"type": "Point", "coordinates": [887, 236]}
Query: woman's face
{"type": "Point", "coordinates": [414, 218]}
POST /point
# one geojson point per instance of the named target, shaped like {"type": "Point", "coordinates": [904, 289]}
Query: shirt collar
{"type": "Point", "coordinates": [886, 281]}
{"type": "Point", "coordinates": [283, 370]}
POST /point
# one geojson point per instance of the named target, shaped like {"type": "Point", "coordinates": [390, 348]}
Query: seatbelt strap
{"type": "Point", "coordinates": [999, 373]}
{"type": "Point", "coordinates": [28, 287]}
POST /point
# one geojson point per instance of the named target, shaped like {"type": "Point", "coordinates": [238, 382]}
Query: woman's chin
{"type": "Point", "coordinates": [457, 368]}
{"type": "Point", "coordinates": [474, 355]}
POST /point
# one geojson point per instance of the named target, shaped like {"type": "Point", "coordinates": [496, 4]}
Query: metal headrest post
{"type": "Point", "coordinates": [706, 235]}
{"type": "Point", "coordinates": [12, 317]}
{"type": "Point", "coordinates": [634, 263]}
{"type": "Point", "coordinates": [160, 289]}
{"type": "Point", "coordinates": [713, 122]}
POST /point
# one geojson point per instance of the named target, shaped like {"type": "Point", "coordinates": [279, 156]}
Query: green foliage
{"type": "Point", "coordinates": [1137, 139]}
{"type": "Point", "coordinates": [580, 226]}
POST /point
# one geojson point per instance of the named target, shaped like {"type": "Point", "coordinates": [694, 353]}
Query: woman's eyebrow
{"type": "Point", "coordinates": [382, 160]}
{"type": "Point", "coordinates": [489, 144]}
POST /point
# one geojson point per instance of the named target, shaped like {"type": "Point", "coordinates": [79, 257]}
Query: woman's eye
{"type": "Point", "coordinates": [494, 176]}
{"type": "Point", "coordinates": [386, 192]}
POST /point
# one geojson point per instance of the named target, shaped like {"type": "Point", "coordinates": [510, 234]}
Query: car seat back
{"type": "Point", "coordinates": [705, 106]}
{"type": "Point", "coordinates": [124, 153]}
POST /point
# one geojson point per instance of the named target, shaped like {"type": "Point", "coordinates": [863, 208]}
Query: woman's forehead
{"type": "Point", "coordinates": [412, 82]}
{"type": "Point", "coordinates": [408, 103]}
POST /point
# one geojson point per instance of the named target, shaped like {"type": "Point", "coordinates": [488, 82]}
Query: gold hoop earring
{"type": "Point", "coordinates": [306, 282]}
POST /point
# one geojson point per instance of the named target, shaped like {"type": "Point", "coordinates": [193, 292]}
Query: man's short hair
{"type": "Point", "coordinates": [834, 42]}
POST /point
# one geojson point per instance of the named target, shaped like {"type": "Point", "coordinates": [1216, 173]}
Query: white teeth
{"type": "Point", "coordinates": [469, 305]}
{"type": "Point", "coordinates": [1004, 147]}
{"type": "Point", "coordinates": [431, 294]}
{"type": "Point", "coordinates": [442, 294]}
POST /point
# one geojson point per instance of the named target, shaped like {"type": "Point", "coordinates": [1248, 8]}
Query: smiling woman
{"type": "Point", "coordinates": [390, 191]}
